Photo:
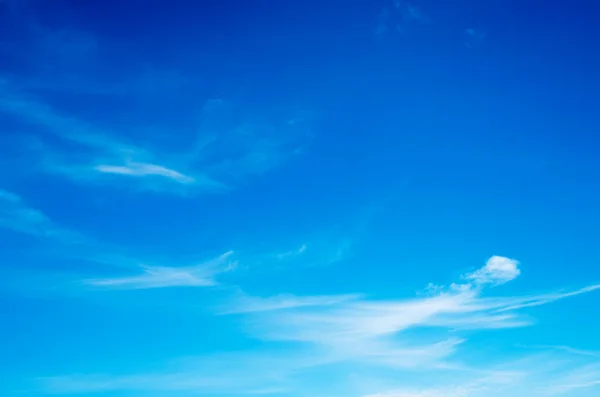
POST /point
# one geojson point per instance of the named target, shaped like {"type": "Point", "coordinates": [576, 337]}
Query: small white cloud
{"type": "Point", "coordinates": [497, 270]}
{"type": "Point", "coordinates": [144, 169]}
{"type": "Point", "coordinates": [433, 289]}
{"type": "Point", "coordinates": [164, 276]}
{"type": "Point", "coordinates": [288, 254]}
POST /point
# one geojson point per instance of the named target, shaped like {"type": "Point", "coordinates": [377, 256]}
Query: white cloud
{"type": "Point", "coordinates": [144, 169]}
{"type": "Point", "coordinates": [18, 217]}
{"type": "Point", "coordinates": [80, 145]}
{"type": "Point", "coordinates": [497, 270]}
{"type": "Point", "coordinates": [231, 143]}
{"type": "Point", "coordinates": [288, 254]}
{"type": "Point", "coordinates": [342, 333]}
{"type": "Point", "coordinates": [163, 277]}
{"type": "Point", "coordinates": [354, 321]}
{"type": "Point", "coordinates": [366, 329]}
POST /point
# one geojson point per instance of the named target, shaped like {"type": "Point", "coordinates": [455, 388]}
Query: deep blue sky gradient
{"type": "Point", "coordinates": [418, 154]}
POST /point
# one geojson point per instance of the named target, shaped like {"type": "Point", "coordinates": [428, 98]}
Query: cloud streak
{"type": "Point", "coordinates": [229, 149]}
{"type": "Point", "coordinates": [165, 277]}
{"type": "Point", "coordinates": [251, 304]}
{"type": "Point", "coordinates": [135, 169]}
{"type": "Point", "coordinates": [16, 215]}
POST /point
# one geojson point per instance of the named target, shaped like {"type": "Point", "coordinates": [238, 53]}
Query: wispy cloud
{"type": "Point", "coordinates": [287, 254]}
{"type": "Point", "coordinates": [38, 113]}
{"type": "Point", "coordinates": [579, 379]}
{"type": "Point", "coordinates": [539, 376]}
{"type": "Point", "coordinates": [231, 145]}
{"type": "Point", "coordinates": [364, 325]}
{"type": "Point", "coordinates": [568, 349]}
{"type": "Point", "coordinates": [16, 215]}
{"type": "Point", "coordinates": [338, 332]}
{"type": "Point", "coordinates": [228, 151]}
{"type": "Point", "coordinates": [163, 277]}
{"type": "Point", "coordinates": [277, 372]}
{"type": "Point", "coordinates": [143, 169]}
{"type": "Point", "coordinates": [516, 303]}
{"type": "Point", "coordinates": [83, 152]}
{"type": "Point", "coordinates": [247, 304]}
{"type": "Point", "coordinates": [223, 145]}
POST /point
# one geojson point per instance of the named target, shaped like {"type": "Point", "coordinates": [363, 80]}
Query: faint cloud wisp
{"type": "Point", "coordinates": [164, 277]}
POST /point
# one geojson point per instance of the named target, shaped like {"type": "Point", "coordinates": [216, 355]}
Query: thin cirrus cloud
{"type": "Point", "coordinates": [228, 151]}
{"type": "Point", "coordinates": [17, 215]}
{"type": "Point", "coordinates": [202, 275]}
{"type": "Point", "coordinates": [144, 169]}
{"type": "Point", "coordinates": [263, 373]}
{"type": "Point", "coordinates": [544, 375]}
{"type": "Point", "coordinates": [341, 333]}
{"type": "Point", "coordinates": [227, 146]}
{"type": "Point", "coordinates": [268, 373]}
{"type": "Point", "coordinates": [293, 253]}
{"type": "Point", "coordinates": [567, 349]}
{"type": "Point", "coordinates": [250, 304]}
{"type": "Point", "coordinates": [84, 153]}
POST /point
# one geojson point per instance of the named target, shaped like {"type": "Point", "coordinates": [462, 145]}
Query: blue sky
{"type": "Point", "coordinates": [368, 199]}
